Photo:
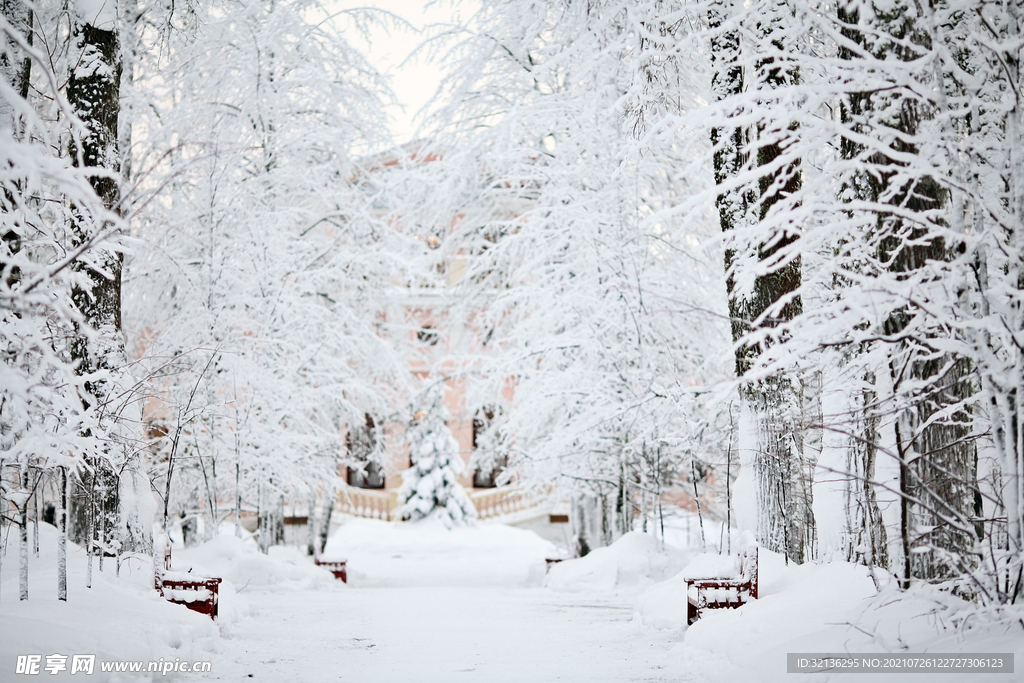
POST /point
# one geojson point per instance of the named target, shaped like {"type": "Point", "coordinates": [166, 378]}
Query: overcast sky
{"type": "Point", "coordinates": [416, 81]}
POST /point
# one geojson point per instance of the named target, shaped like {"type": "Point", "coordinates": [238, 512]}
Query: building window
{"type": "Point", "coordinates": [156, 430]}
{"type": "Point", "coordinates": [364, 471]}
{"type": "Point", "coordinates": [488, 459]}
{"type": "Point", "coordinates": [428, 335]}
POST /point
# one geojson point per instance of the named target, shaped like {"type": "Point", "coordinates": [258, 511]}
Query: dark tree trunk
{"type": "Point", "coordinates": [867, 539]}
{"type": "Point", "coordinates": [325, 521]}
{"type": "Point", "coordinates": [93, 91]}
{"type": "Point", "coordinates": [62, 537]}
{"type": "Point", "coordinates": [785, 521]}
{"type": "Point", "coordinates": [23, 480]}
{"type": "Point", "coordinates": [937, 456]}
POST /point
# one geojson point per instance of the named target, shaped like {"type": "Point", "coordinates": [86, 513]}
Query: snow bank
{"type": "Point", "coordinates": [240, 563]}
{"type": "Point", "coordinates": [707, 565]}
{"type": "Point", "coordinates": [635, 561]}
{"type": "Point", "coordinates": [426, 553]}
{"type": "Point", "coordinates": [663, 605]}
{"type": "Point", "coordinates": [828, 607]}
{"type": "Point", "coordinates": [119, 618]}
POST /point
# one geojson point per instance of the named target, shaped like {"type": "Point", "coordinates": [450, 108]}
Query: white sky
{"type": "Point", "coordinates": [415, 82]}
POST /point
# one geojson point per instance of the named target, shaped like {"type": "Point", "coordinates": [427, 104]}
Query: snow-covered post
{"type": "Point", "coordinates": [430, 488]}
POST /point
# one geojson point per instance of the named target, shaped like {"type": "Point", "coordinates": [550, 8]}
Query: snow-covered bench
{"type": "Point", "coordinates": [716, 581]}
{"type": "Point", "coordinates": [337, 567]}
{"type": "Point", "coordinates": [199, 594]}
{"type": "Point", "coordinates": [550, 562]}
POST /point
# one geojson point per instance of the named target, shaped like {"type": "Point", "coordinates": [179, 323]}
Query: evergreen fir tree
{"type": "Point", "coordinates": [430, 488]}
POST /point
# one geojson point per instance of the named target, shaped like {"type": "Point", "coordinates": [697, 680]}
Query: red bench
{"type": "Point", "coordinates": [198, 594]}
{"type": "Point", "coordinates": [337, 567]}
{"type": "Point", "coordinates": [723, 592]}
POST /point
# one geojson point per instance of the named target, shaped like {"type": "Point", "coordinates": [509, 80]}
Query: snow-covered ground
{"type": "Point", "coordinates": [439, 634]}
{"type": "Point", "coordinates": [119, 618]}
{"type": "Point", "coordinates": [474, 604]}
{"type": "Point", "coordinates": [426, 553]}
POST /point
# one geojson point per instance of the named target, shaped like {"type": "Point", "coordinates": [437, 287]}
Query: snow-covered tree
{"type": "Point", "coordinates": [763, 285]}
{"type": "Point", "coordinates": [57, 219]}
{"type": "Point", "coordinates": [888, 230]}
{"type": "Point", "coordinates": [589, 290]}
{"type": "Point", "coordinates": [258, 295]}
{"type": "Point", "coordinates": [430, 487]}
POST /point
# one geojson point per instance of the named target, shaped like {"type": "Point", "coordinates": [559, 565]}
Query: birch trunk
{"type": "Point", "coordinates": [311, 526]}
{"type": "Point", "coordinates": [3, 536]}
{"type": "Point", "coordinates": [23, 496]}
{"type": "Point", "coordinates": [325, 521]}
{"type": "Point", "coordinates": [238, 500]}
{"type": "Point", "coordinates": [62, 537]}
{"type": "Point", "coordinates": [35, 519]}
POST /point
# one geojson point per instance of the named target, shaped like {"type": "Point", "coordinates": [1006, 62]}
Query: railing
{"type": "Point", "coordinates": [489, 503]}
{"type": "Point", "coordinates": [507, 500]}
{"type": "Point", "coordinates": [372, 503]}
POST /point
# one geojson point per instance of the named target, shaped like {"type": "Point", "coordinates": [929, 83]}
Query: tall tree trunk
{"type": "Point", "coordinates": [90, 528]}
{"type": "Point", "coordinates": [62, 537]}
{"type": "Point", "coordinates": [238, 498]}
{"type": "Point", "coordinates": [311, 526]}
{"type": "Point", "coordinates": [23, 496]}
{"type": "Point", "coordinates": [3, 536]}
{"type": "Point", "coordinates": [937, 456]}
{"type": "Point", "coordinates": [16, 70]}
{"type": "Point", "coordinates": [999, 356]}
{"type": "Point", "coordinates": [93, 91]}
{"type": "Point", "coordinates": [785, 522]}
{"type": "Point", "coordinates": [325, 521]}
{"type": "Point", "coordinates": [35, 517]}
{"type": "Point", "coordinates": [866, 540]}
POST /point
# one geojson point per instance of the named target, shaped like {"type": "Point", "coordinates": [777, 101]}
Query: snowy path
{"type": "Point", "coordinates": [443, 634]}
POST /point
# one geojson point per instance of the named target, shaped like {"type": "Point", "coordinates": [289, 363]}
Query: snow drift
{"type": "Point", "coordinates": [634, 561]}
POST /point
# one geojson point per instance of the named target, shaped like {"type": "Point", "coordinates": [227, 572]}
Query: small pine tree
{"type": "Point", "coordinates": [430, 488]}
